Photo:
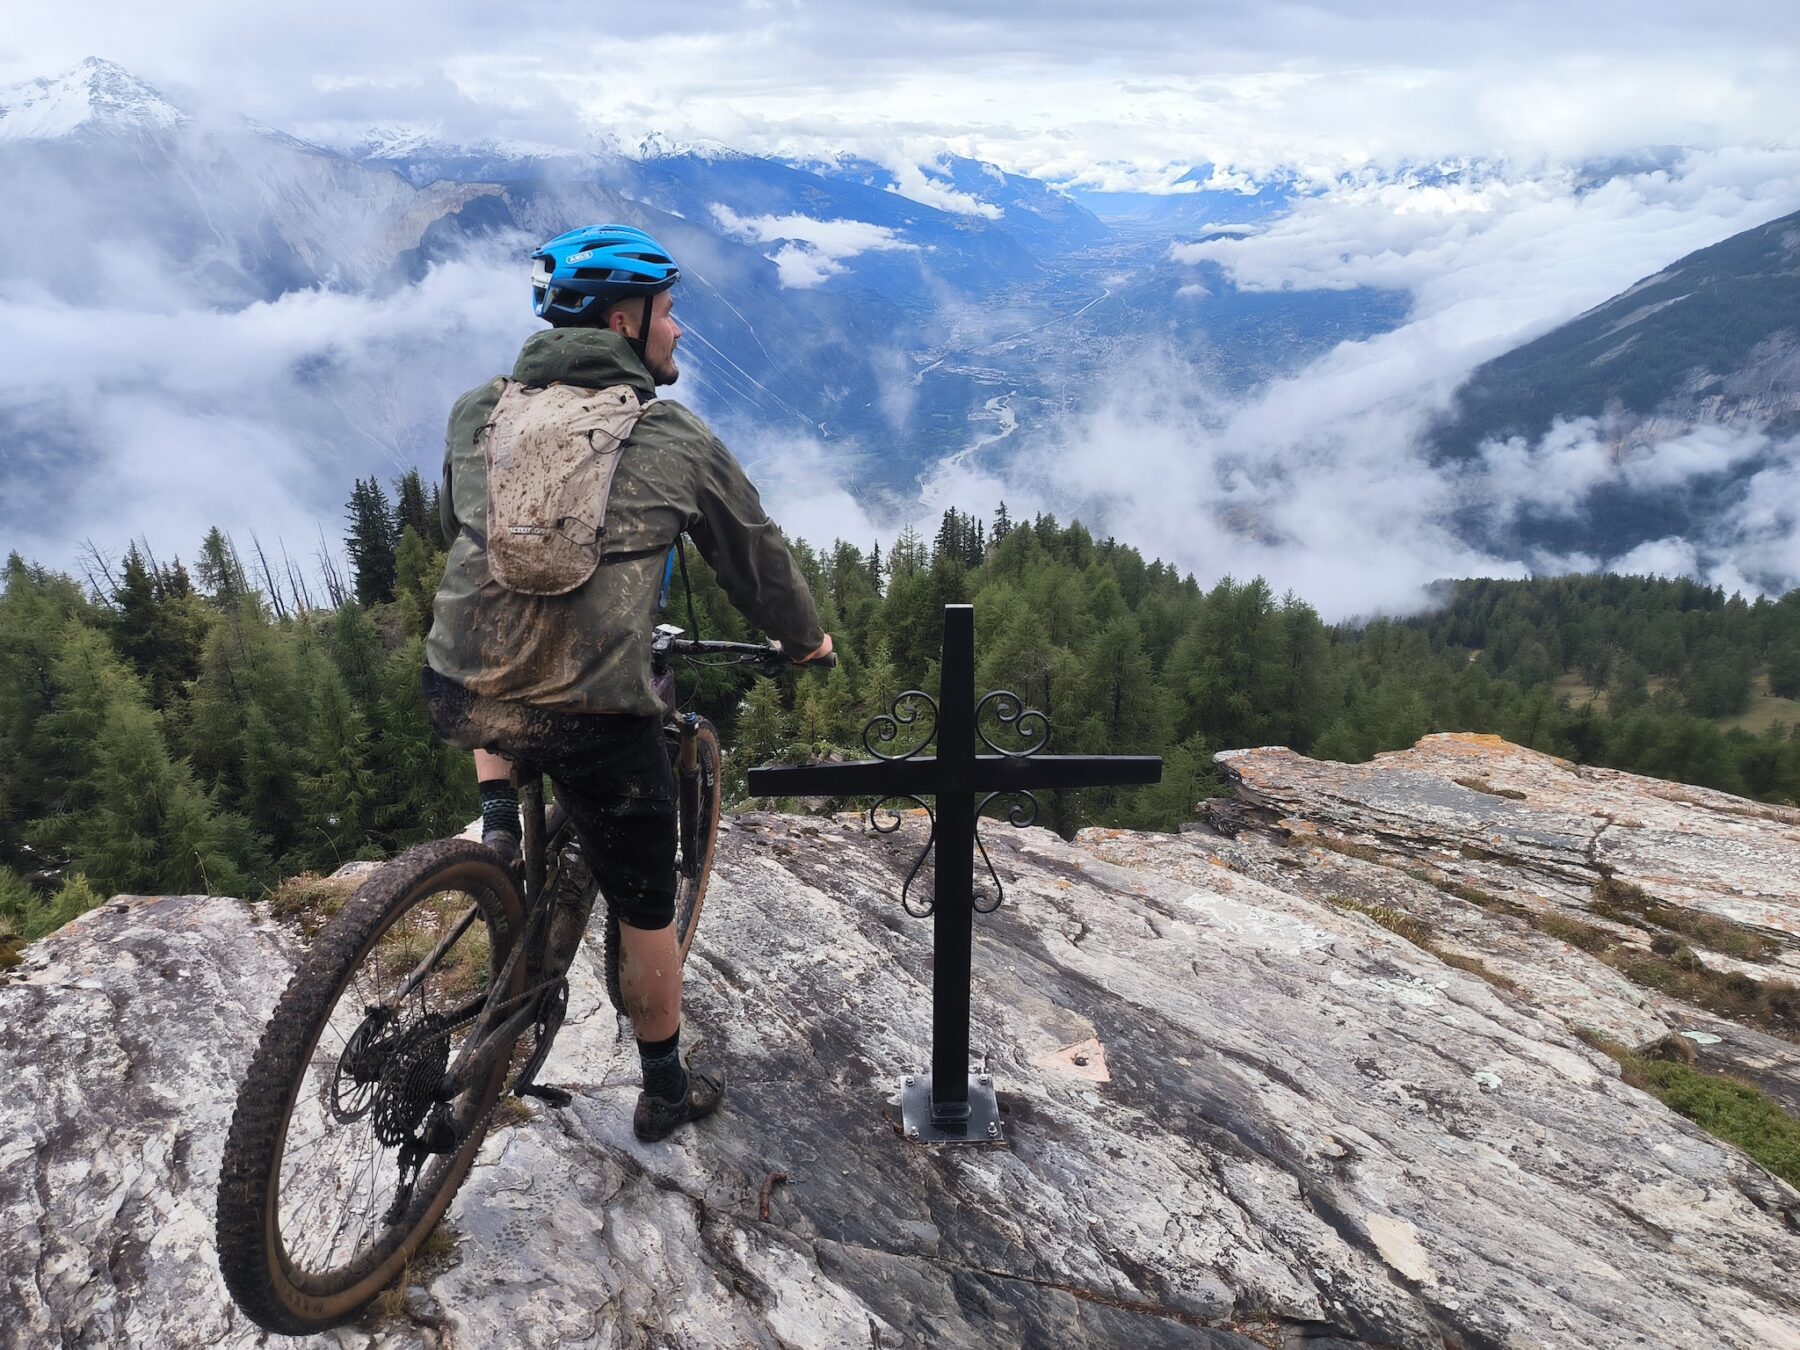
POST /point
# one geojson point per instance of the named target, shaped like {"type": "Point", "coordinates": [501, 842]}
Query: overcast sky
{"type": "Point", "coordinates": [1320, 481]}
{"type": "Point", "coordinates": [1117, 94]}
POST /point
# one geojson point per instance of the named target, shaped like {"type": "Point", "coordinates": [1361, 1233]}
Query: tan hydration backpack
{"type": "Point", "coordinates": [552, 451]}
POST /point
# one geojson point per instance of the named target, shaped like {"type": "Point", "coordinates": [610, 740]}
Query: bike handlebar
{"type": "Point", "coordinates": [764, 654]}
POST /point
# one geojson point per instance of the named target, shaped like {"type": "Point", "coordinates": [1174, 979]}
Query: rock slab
{"type": "Point", "coordinates": [1236, 1116]}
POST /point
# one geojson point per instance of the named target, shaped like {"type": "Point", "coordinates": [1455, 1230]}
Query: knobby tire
{"type": "Point", "coordinates": [253, 1253]}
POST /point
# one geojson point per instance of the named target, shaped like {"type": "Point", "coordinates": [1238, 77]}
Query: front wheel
{"type": "Point", "coordinates": [342, 1156]}
{"type": "Point", "coordinates": [697, 795]}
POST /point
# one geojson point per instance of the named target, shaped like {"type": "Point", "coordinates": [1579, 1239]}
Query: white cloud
{"type": "Point", "coordinates": [811, 250]}
{"type": "Point", "coordinates": [910, 182]}
{"type": "Point", "coordinates": [802, 484]}
{"type": "Point", "coordinates": [1660, 558]}
{"type": "Point", "coordinates": [1132, 102]}
{"type": "Point", "coordinates": [256, 420]}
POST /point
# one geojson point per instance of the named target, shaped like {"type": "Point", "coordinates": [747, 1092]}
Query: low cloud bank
{"type": "Point", "coordinates": [161, 421]}
{"type": "Point", "coordinates": [159, 425]}
{"type": "Point", "coordinates": [811, 250]}
{"type": "Point", "coordinates": [1323, 482]}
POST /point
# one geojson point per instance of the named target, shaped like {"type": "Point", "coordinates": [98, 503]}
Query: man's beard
{"type": "Point", "coordinates": [665, 372]}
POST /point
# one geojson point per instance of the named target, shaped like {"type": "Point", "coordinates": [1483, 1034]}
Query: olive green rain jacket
{"type": "Point", "coordinates": [588, 651]}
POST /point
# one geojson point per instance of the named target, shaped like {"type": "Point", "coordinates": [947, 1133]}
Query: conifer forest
{"type": "Point", "coordinates": [216, 727]}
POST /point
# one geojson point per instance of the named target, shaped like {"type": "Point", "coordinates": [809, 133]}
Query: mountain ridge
{"type": "Point", "coordinates": [94, 93]}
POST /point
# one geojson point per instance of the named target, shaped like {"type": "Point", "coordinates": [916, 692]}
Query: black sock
{"type": "Point", "coordinates": [499, 807]}
{"type": "Point", "coordinates": [663, 1074]}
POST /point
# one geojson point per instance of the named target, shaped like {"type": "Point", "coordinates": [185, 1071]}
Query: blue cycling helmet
{"type": "Point", "coordinates": [581, 272]}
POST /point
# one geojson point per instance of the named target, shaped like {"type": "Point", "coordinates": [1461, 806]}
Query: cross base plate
{"type": "Point", "coordinates": [981, 1127]}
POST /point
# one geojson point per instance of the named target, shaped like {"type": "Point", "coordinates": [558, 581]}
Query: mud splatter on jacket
{"type": "Point", "coordinates": [589, 651]}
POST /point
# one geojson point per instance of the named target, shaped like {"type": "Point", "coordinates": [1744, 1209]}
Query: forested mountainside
{"type": "Point", "coordinates": [215, 730]}
{"type": "Point", "coordinates": [1715, 336]}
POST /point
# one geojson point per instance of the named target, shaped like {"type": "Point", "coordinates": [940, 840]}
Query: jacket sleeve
{"type": "Point", "coordinates": [752, 560]}
{"type": "Point", "coordinates": [447, 521]}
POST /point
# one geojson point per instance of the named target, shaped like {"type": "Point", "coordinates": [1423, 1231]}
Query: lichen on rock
{"type": "Point", "coordinates": [1292, 1123]}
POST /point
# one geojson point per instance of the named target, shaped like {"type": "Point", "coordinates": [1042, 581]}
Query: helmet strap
{"type": "Point", "coordinates": [641, 343]}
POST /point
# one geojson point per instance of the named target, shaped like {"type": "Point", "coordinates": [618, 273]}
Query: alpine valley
{"type": "Point", "coordinates": [884, 317]}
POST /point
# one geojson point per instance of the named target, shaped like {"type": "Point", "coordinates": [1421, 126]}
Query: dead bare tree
{"type": "Point", "coordinates": [335, 589]}
{"type": "Point", "coordinates": [270, 588]}
{"type": "Point", "coordinates": [296, 583]}
{"type": "Point", "coordinates": [93, 562]}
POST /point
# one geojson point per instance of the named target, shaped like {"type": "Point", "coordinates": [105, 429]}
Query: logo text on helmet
{"type": "Point", "coordinates": [581, 257]}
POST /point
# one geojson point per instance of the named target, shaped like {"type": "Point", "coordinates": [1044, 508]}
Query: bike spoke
{"type": "Point", "coordinates": [338, 1179]}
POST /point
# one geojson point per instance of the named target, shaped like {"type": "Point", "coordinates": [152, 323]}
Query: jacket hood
{"type": "Point", "coordinates": [592, 358]}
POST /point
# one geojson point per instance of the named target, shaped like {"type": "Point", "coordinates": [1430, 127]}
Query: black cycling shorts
{"type": "Point", "coordinates": [612, 774]}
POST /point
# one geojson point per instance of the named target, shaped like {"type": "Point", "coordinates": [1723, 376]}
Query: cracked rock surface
{"type": "Point", "coordinates": [1481, 840]}
{"type": "Point", "coordinates": [1236, 1115]}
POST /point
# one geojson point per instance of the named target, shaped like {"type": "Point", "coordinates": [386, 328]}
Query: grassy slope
{"type": "Point", "coordinates": [1765, 709]}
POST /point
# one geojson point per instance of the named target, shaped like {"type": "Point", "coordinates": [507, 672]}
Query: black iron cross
{"type": "Point", "coordinates": [951, 1104]}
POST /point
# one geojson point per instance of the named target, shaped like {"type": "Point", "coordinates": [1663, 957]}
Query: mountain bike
{"type": "Point", "coordinates": [434, 991]}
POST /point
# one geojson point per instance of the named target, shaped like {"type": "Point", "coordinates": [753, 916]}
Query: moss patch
{"type": "Point", "coordinates": [310, 899]}
{"type": "Point", "coordinates": [1396, 921]}
{"type": "Point", "coordinates": [1723, 1106]}
{"type": "Point", "coordinates": [1586, 936]}
{"type": "Point", "coordinates": [1622, 902]}
{"type": "Point", "coordinates": [1348, 847]}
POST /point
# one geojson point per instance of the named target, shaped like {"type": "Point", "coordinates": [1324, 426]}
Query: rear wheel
{"type": "Point", "coordinates": [697, 795]}
{"type": "Point", "coordinates": [340, 1159]}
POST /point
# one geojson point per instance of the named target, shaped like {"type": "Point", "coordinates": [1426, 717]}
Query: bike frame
{"type": "Point", "coordinates": [491, 1037]}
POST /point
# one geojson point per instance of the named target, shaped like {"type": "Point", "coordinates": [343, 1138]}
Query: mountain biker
{"type": "Point", "coordinates": [563, 679]}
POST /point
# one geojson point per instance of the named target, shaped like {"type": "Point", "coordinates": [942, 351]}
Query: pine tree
{"type": "Point", "coordinates": [37, 610]}
{"type": "Point", "coordinates": [370, 542]}
{"type": "Point", "coordinates": [1119, 690]}
{"type": "Point", "coordinates": [339, 793]}
{"type": "Point", "coordinates": [354, 644]}
{"type": "Point", "coordinates": [434, 512]}
{"type": "Point", "coordinates": [417, 572]}
{"type": "Point", "coordinates": [1002, 524]}
{"type": "Point", "coordinates": [880, 681]}
{"type": "Point", "coordinates": [907, 556]}
{"type": "Point", "coordinates": [159, 627]}
{"type": "Point", "coordinates": [413, 508]}
{"type": "Point", "coordinates": [763, 732]}
{"type": "Point", "coordinates": [151, 829]}
{"type": "Point", "coordinates": [1784, 669]}
{"type": "Point", "coordinates": [221, 574]}
{"type": "Point", "coordinates": [427, 789]}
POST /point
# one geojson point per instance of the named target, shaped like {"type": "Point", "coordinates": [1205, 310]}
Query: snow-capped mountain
{"type": "Point", "coordinates": [95, 96]}
{"type": "Point", "coordinates": [215, 213]}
